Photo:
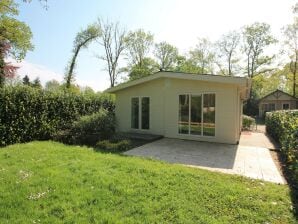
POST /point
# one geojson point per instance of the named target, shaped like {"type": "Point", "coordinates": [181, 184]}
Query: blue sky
{"type": "Point", "coordinates": [179, 22]}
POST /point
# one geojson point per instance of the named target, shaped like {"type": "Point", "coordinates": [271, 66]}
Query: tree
{"type": "Point", "coordinates": [82, 40]}
{"type": "Point", "coordinates": [26, 80]}
{"type": "Point", "coordinates": [15, 38]}
{"type": "Point", "coordinates": [186, 65]}
{"type": "Point", "coordinates": [36, 83]}
{"type": "Point", "coordinates": [291, 42]}
{"type": "Point", "coordinates": [166, 55]}
{"type": "Point", "coordinates": [203, 56]}
{"type": "Point", "coordinates": [227, 47]}
{"type": "Point", "coordinates": [138, 45]}
{"type": "Point", "coordinates": [113, 41]}
{"type": "Point", "coordinates": [149, 66]}
{"type": "Point", "coordinates": [52, 85]}
{"type": "Point", "coordinates": [256, 38]}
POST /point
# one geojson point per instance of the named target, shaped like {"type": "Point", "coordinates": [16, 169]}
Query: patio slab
{"type": "Point", "coordinates": [250, 161]}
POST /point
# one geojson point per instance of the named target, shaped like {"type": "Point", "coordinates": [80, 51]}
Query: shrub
{"type": "Point", "coordinates": [91, 128]}
{"type": "Point", "coordinates": [247, 122]}
{"type": "Point", "coordinates": [28, 113]}
{"type": "Point", "coordinates": [113, 146]}
{"type": "Point", "coordinates": [283, 127]}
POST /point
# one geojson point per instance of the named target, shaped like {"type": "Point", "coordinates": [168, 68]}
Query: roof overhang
{"type": "Point", "coordinates": [243, 83]}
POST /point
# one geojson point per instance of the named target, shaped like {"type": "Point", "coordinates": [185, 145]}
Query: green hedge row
{"type": "Point", "coordinates": [283, 127]}
{"type": "Point", "coordinates": [248, 122]}
{"type": "Point", "coordinates": [28, 113]}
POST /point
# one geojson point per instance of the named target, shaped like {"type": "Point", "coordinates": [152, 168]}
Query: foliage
{"type": "Point", "coordinates": [166, 55]}
{"type": "Point", "coordinates": [55, 183]}
{"type": "Point", "coordinates": [283, 127]}
{"type": "Point", "coordinates": [138, 46]}
{"type": "Point", "coordinates": [13, 31]}
{"type": "Point", "coordinates": [256, 38]}
{"type": "Point", "coordinates": [187, 65]}
{"type": "Point", "coordinates": [52, 85]}
{"type": "Point", "coordinates": [227, 49]}
{"type": "Point", "coordinates": [113, 146]}
{"type": "Point", "coordinates": [82, 40]}
{"type": "Point", "coordinates": [28, 113]}
{"type": "Point", "coordinates": [203, 56]}
{"type": "Point", "coordinates": [291, 43]}
{"type": "Point", "coordinates": [149, 67]}
{"type": "Point", "coordinates": [15, 38]}
{"type": "Point", "coordinates": [248, 122]}
{"type": "Point", "coordinates": [102, 124]}
{"type": "Point", "coordinates": [113, 39]}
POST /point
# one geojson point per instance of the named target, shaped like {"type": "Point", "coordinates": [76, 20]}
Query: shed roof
{"type": "Point", "coordinates": [278, 91]}
{"type": "Point", "coordinates": [242, 82]}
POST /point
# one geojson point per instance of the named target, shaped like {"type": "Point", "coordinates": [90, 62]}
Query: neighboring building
{"type": "Point", "coordinates": [277, 100]}
{"type": "Point", "coordinates": [181, 105]}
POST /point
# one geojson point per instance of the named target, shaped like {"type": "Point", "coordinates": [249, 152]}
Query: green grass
{"type": "Point", "coordinates": [48, 182]}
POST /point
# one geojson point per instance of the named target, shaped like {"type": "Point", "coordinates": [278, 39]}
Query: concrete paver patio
{"type": "Point", "coordinates": [245, 159]}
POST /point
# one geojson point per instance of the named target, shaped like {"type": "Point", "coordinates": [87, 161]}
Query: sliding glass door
{"type": "Point", "coordinates": [197, 114]}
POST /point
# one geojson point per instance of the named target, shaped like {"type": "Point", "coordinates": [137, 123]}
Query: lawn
{"type": "Point", "coordinates": [48, 182]}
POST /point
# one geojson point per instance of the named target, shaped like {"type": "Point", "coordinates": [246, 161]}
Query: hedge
{"type": "Point", "coordinates": [28, 113]}
{"type": "Point", "coordinates": [248, 122]}
{"type": "Point", "coordinates": [283, 127]}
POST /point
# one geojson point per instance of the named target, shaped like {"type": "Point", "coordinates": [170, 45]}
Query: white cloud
{"type": "Point", "coordinates": [35, 70]}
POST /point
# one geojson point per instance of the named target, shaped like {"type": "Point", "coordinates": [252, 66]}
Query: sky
{"type": "Point", "coordinates": [179, 22]}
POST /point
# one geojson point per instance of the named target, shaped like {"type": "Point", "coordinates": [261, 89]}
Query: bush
{"type": "Point", "coordinates": [283, 127]}
{"type": "Point", "coordinates": [248, 122]}
{"type": "Point", "coordinates": [28, 113]}
{"type": "Point", "coordinates": [113, 146]}
{"type": "Point", "coordinates": [91, 128]}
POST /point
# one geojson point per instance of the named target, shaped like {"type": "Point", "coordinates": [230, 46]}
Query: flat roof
{"type": "Point", "coordinates": [236, 80]}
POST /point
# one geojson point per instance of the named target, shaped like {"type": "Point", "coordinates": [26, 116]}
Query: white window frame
{"type": "Point", "coordinates": [140, 113]}
{"type": "Point", "coordinates": [202, 112]}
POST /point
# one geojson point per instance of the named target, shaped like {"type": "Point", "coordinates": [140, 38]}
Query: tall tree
{"type": "Point", "coordinates": [82, 40]}
{"type": "Point", "coordinates": [227, 47]}
{"type": "Point", "coordinates": [187, 65]}
{"type": "Point", "coordinates": [113, 40]}
{"type": "Point", "coordinates": [15, 37]}
{"type": "Point", "coordinates": [36, 83]}
{"type": "Point", "coordinates": [52, 85]}
{"type": "Point", "coordinates": [139, 44]}
{"type": "Point", "coordinates": [166, 55]}
{"type": "Point", "coordinates": [291, 43]}
{"type": "Point", "coordinates": [149, 66]}
{"type": "Point", "coordinates": [203, 56]}
{"type": "Point", "coordinates": [26, 80]}
{"type": "Point", "coordinates": [256, 38]}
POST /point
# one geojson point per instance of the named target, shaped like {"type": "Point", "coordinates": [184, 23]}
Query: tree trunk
{"type": "Point", "coordinates": [71, 68]}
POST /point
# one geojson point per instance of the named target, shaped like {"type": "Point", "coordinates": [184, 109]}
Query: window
{"type": "Point", "coordinates": [197, 114]}
{"type": "Point", "coordinates": [135, 112]}
{"type": "Point", "coordinates": [209, 115]}
{"type": "Point", "coordinates": [145, 112]}
{"type": "Point", "coordinates": [140, 112]}
{"type": "Point", "coordinates": [271, 106]}
{"type": "Point", "coordinates": [285, 106]}
{"type": "Point", "coordinates": [183, 114]}
{"type": "Point", "coordinates": [265, 107]}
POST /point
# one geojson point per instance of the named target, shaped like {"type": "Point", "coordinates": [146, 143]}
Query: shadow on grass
{"type": "Point", "coordinates": [293, 185]}
{"type": "Point", "coordinates": [134, 143]}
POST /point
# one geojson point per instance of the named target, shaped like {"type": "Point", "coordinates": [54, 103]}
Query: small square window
{"type": "Point", "coordinates": [285, 106]}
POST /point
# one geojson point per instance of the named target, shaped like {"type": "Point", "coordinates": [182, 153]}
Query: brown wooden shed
{"type": "Point", "coordinates": [277, 100]}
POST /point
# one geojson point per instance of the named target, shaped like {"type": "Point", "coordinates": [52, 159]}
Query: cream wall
{"type": "Point", "coordinates": [153, 89]}
{"type": "Point", "coordinates": [164, 106]}
{"type": "Point", "coordinates": [225, 110]}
